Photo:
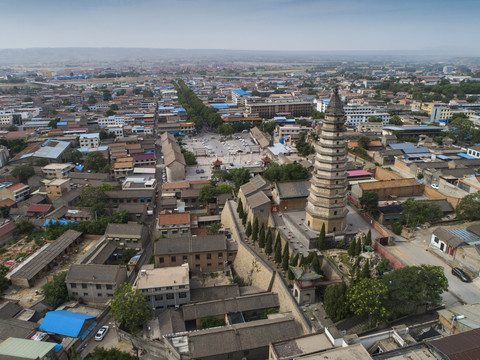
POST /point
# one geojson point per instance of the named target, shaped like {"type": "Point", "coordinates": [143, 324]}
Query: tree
{"type": "Point", "coordinates": [367, 297]}
{"type": "Point", "coordinates": [55, 291]}
{"type": "Point", "coordinates": [365, 274]}
{"type": "Point", "coordinates": [129, 308]}
{"type": "Point", "coordinates": [303, 147]}
{"type": "Point", "coordinates": [369, 202]}
{"type": "Point", "coordinates": [395, 120]}
{"type": "Point", "coordinates": [214, 229]}
{"type": "Point", "coordinates": [3, 278]}
{"type": "Point", "coordinates": [374, 119]}
{"type": "Point", "coordinates": [23, 226]}
{"type": "Point", "coordinates": [4, 211]}
{"type": "Point", "coordinates": [190, 158]}
{"type": "Point", "coordinates": [248, 231]}
{"type": "Point", "coordinates": [316, 263]}
{"type": "Point", "coordinates": [469, 207]}
{"type": "Point", "coordinates": [268, 243]}
{"type": "Point", "coordinates": [420, 212]}
{"type": "Point", "coordinates": [91, 100]}
{"type": "Point", "coordinates": [239, 176]}
{"type": "Point", "coordinates": [72, 155]}
{"type": "Point", "coordinates": [461, 127]}
{"type": "Point", "coordinates": [100, 353]}
{"type": "Point", "coordinates": [23, 172]}
{"type": "Point", "coordinates": [335, 301]}
{"type": "Point", "coordinates": [208, 193]}
{"type": "Point", "coordinates": [321, 239]}
{"type": "Point", "coordinates": [225, 129]}
{"type": "Point", "coordinates": [364, 141]}
{"type": "Point", "coordinates": [225, 189]}
{"type": "Point", "coordinates": [278, 253]}
{"type": "Point", "coordinates": [244, 218]}
{"type": "Point", "coordinates": [95, 162]}
{"type": "Point", "coordinates": [261, 236]}
{"type": "Point", "coordinates": [240, 208]}
{"type": "Point", "coordinates": [210, 321]}
{"type": "Point", "coordinates": [368, 239]}
{"type": "Point", "coordinates": [285, 257]}
{"type": "Point", "coordinates": [285, 172]}
{"type": "Point", "coordinates": [413, 286]}
{"type": "Point", "coordinates": [294, 261]}
{"type": "Point", "coordinates": [255, 230]}
{"type": "Point", "coordinates": [358, 247]}
{"type": "Point", "coordinates": [383, 266]}
{"type": "Point", "coordinates": [351, 248]}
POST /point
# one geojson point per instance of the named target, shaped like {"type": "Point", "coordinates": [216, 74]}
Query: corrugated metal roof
{"type": "Point", "coordinates": [24, 348]}
{"type": "Point", "coordinates": [63, 322]}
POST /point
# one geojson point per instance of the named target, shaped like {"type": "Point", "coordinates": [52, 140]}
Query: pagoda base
{"type": "Point", "coordinates": [331, 225]}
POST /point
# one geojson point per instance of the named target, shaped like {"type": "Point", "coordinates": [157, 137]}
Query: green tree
{"type": "Point", "coordinates": [95, 162]}
{"type": "Point", "coordinates": [369, 202]}
{"type": "Point", "coordinates": [100, 353]}
{"type": "Point", "coordinates": [55, 291]}
{"type": "Point", "coordinates": [285, 257]}
{"type": "Point", "coordinates": [269, 243]}
{"type": "Point", "coordinates": [285, 172]}
{"type": "Point", "coordinates": [261, 236]}
{"type": "Point", "coordinates": [23, 226]}
{"type": "Point", "coordinates": [72, 155]}
{"type": "Point", "coordinates": [321, 239]}
{"type": "Point", "coordinates": [210, 321]}
{"type": "Point", "coordinates": [23, 172]}
{"type": "Point", "coordinates": [255, 230]}
{"type": "Point", "coordinates": [412, 286]}
{"type": "Point", "coordinates": [367, 297]}
{"type": "Point", "coordinates": [240, 208]}
{"type": "Point", "coordinates": [335, 301]}
{"type": "Point", "coordinates": [351, 248]}
{"type": "Point", "coordinates": [469, 207]}
{"type": "Point", "coordinates": [358, 247]}
{"type": "Point", "coordinates": [239, 176]}
{"type": "Point", "coordinates": [129, 308]}
{"type": "Point", "coordinates": [190, 158]}
{"type": "Point", "coordinates": [365, 274]}
{"type": "Point", "coordinates": [461, 127]}
{"type": "Point", "coordinates": [374, 119]}
{"type": "Point", "coordinates": [368, 239]}
{"type": "Point", "coordinates": [383, 266]}
{"type": "Point", "coordinates": [91, 100]}
{"type": "Point", "coordinates": [316, 263]}
{"type": "Point", "coordinates": [3, 278]}
{"type": "Point", "coordinates": [4, 211]}
{"type": "Point", "coordinates": [248, 231]}
{"type": "Point", "coordinates": [225, 129]}
{"type": "Point", "coordinates": [395, 120]}
{"type": "Point", "coordinates": [244, 218]}
{"type": "Point", "coordinates": [364, 141]}
{"type": "Point", "coordinates": [214, 228]}
{"type": "Point", "coordinates": [110, 112]}
{"type": "Point", "coordinates": [303, 147]}
{"type": "Point", "coordinates": [420, 212]}
{"type": "Point", "coordinates": [397, 227]}
{"type": "Point", "coordinates": [53, 123]}
{"type": "Point", "coordinates": [225, 189]}
{"type": "Point", "coordinates": [278, 253]}
{"type": "Point", "coordinates": [208, 194]}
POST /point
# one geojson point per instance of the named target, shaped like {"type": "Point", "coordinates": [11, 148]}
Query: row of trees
{"type": "Point", "coordinates": [285, 172]}
{"type": "Point", "coordinates": [397, 294]}
{"type": "Point", "coordinates": [238, 176]}
{"type": "Point", "coordinates": [197, 111]}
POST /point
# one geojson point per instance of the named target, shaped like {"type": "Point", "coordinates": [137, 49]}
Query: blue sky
{"type": "Point", "coordinates": [335, 25]}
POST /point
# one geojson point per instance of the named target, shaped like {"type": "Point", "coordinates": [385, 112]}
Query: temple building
{"type": "Point", "coordinates": [327, 200]}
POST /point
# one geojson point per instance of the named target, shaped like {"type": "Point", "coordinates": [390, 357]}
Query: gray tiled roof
{"type": "Point", "coordinates": [122, 230]}
{"type": "Point", "coordinates": [257, 199]}
{"type": "Point", "coordinates": [94, 273]}
{"type": "Point", "coordinates": [293, 189]}
{"type": "Point", "coordinates": [189, 244]}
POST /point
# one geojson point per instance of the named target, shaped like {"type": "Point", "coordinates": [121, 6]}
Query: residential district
{"type": "Point", "coordinates": [239, 211]}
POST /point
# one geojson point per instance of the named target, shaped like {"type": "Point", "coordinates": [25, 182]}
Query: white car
{"type": "Point", "coordinates": [101, 333]}
{"type": "Point", "coordinates": [434, 186]}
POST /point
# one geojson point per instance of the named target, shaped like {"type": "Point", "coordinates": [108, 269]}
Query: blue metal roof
{"type": "Point", "coordinates": [466, 236]}
{"type": "Point", "coordinates": [240, 92]}
{"type": "Point", "coordinates": [443, 157]}
{"type": "Point", "coordinates": [466, 156]}
{"type": "Point", "coordinates": [409, 148]}
{"type": "Point", "coordinates": [61, 123]}
{"type": "Point", "coordinates": [219, 106]}
{"type": "Point", "coordinates": [61, 222]}
{"type": "Point", "coordinates": [65, 323]}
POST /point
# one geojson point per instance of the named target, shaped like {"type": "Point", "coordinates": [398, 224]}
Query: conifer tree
{"type": "Point", "coordinates": [255, 230]}
{"type": "Point", "coordinates": [321, 239]}
{"type": "Point", "coordinates": [365, 274]}
{"type": "Point", "coordinates": [294, 261]}
{"type": "Point", "coordinates": [248, 232]}
{"type": "Point", "coordinates": [316, 264]}
{"type": "Point", "coordinates": [268, 242]}
{"type": "Point", "coordinates": [285, 257]}
{"type": "Point", "coordinates": [244, 218]}
{"type": "Point", "coordinates": [278, 252]}
{"type": "Point", "coordinates": [358, 247]}
{"type": "Point", "coordinates": [368, 240]}
{"type": "Point", "coordinates": [351, 248]}
{"type": "Point", "coordinates": [240, 207]}
{"type": "Point", "coordinates": [261, 236]}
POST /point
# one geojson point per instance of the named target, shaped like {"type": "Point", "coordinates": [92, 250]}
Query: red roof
{"type": "Point", "coordinates": [17, 186]}
{"type": "Point", "coordinates": [144, 157]}
{"type": "Point", "coordinates": [7, 228]}
{"type": "Point", "coordinates": [39, 208]}
{"type": "Point", "coordinates": [7, 202]}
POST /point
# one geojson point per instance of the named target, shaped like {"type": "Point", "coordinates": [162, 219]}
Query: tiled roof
{"type": "Point", "coordinates": [385, 184]}
{"type": "Point", "coordinates": [174, 219]}
{"type": "Point", "coordinates": [39, 208]}
{"type": "Point", "coordinates": [17, 186]}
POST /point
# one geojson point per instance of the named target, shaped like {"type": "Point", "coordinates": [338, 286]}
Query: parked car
{"type": "Point", "coordinates": [202, 171]}
{"type": "Point", "coordinates": [197, 171]}
{"type": "Point", "coordinates": [434, 186]}
{"type": "Point", "coordinates": [461, 274]}
{"type": "Point", "coordinates": [101, 333]}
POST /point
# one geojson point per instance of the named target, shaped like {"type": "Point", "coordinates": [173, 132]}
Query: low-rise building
{"type": "Point", "coordinates": [57, 188]}
{"type": "Point", "coordinates": [164, 287]}
{"type": "Point", "coordinates": [94, 283]}
{"type": "Point", "coordinates": [202, 253]}
{"type": "Point", "coordinates": [57, 171]}
{"type": "Point", "coordinates": [130, 235]}
{"type": "Point", "coordinates": [16, 192]}
{"type": "Point", "coordinates": [89, 140]}
{"type": "Point", "coordinates": [173, 224]}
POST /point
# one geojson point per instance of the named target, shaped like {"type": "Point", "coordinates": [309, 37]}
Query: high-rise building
{"type": "Point", "coordinates": [327, 201]}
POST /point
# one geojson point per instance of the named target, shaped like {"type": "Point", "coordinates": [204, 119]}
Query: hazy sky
{"type": "Point", "coordinates": [243, 24]}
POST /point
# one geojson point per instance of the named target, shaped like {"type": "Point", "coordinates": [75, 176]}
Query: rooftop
{"type": "Point", "coordinates": [190, 244]}
{"type": "Point", "coordinates": [93, 273]}
{"type": "Point", "coordinates": [160, 277]}
{"type": "Point", "coordinates": [24, 348]}
{"type": "Point", "coordinates": [123, 230]}
{"type": "Point", "coordinates": [174, 219]}
{"type": "Point", "coordinates": [62, 322]}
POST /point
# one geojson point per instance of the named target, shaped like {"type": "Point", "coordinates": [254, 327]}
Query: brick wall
{"type": "Point", "coordinates": [383, 174]}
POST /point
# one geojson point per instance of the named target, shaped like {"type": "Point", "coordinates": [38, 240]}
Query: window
{"type": "Point", "coordinates": [209, 264]}
{"type": "Point", "coordinates": [220, 263]}
{"type": "Point", "coordinates": [209, 256]}
{"type": "Point", "coordinates": [169, 296]}
{"type": "Point", "coordinates": [174, 259]}
{"type": "Point", "coordinates": [99, 295]}
{"type": "Point", "coordinates": [158, 297]}
{"type": "Point", "coordinates": [181, 287]}
{"type": "Point", "coordinates": [84, 286]}
{"type": "Point", "coordinates": [109, 287]}
{"type": "Point", "coordinates": [230, 255]}
{"type": "Point", "coordinates": [85, 294]}
{"type": "Point", "coordinates": [334, 213]}
{"type": "Point", "coordinates": [197, 257]}
{"type": "Point", "coordinates": [161, 260]}
{"type": "Point", "coordinates": [185, 258]}
{"type": "Point", "coordinates": [220, 255]}
{"type": "Point", "coordinates": [74, 293]}
{"type": "Point", "coordinates": [98, 286]}
{"type": "Point", "coordinates": [109, 295]}
{"type": "Point", "coordinates": [197, 265]}
{"type": "Point", "coordinates": [73, 286]}
{"type": "Point", "coordinates": [182, 295]}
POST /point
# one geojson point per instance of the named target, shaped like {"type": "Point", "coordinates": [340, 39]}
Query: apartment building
{"type": "Point", "coordinates": [202, 253]}
{"type": "Point", "coordinates": [16, 192]}
{"type": "Point", "coordinates": [57, 171]}
{"type": "Point", "coordinates": [174, 224]}
{"type": "Point", "coordinates": [360, 114]}
{"type": "Point", "coordinates": [164, 287]}
{"type": "Point", "coordinates": [89, 140]}
{"type": "Point", "coordinates": [144, 160]}
{"type": "Point", "coordinates": [131, 235]}
{"type": "Point", "coordinates": [139, 182]}
{"type": "Point", "coordinates": [57, 188]}
{"type": "Point", "coordinates": [6, 118]}
{"type": "Point", "coordinates": [123, 167]}
{"type": "Point", "coordinates": [270, 109]}
{"type": "Point", "coordinates": [290, 132]}
{"type": "Point", "coordinates": [94, 283]}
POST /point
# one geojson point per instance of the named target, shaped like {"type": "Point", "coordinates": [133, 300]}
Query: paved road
{"type": "Point", "coordinates": [415, 253]}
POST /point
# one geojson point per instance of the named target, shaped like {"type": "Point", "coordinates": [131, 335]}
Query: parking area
{"type": "Point", "coordinates": [234, 152]}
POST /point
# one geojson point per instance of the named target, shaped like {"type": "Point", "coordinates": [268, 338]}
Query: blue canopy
{"type": "Point", "coordinates": [65, 323]}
